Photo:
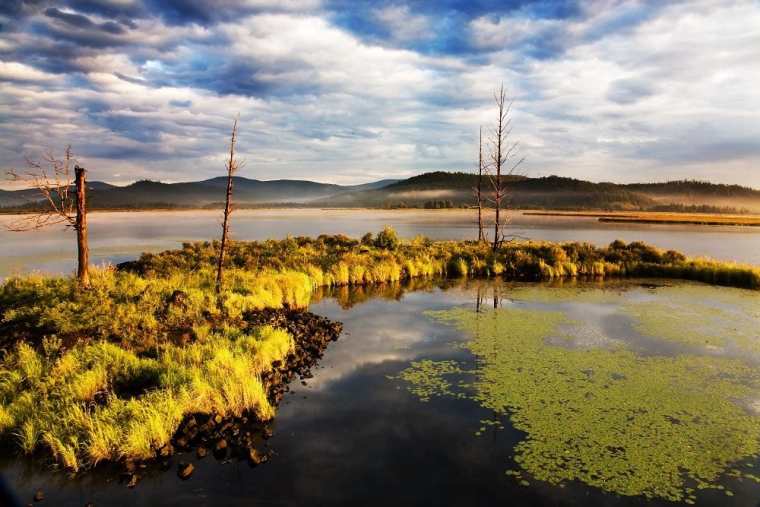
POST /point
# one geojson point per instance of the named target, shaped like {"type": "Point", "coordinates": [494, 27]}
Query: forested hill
{"type": "Point", "coordinates": [455, 189]}
{"type": "Point", "coordinates": [429, 190]}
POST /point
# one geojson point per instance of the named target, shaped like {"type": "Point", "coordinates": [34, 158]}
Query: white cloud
{"type": "Point", "coordinates": [402, 24]}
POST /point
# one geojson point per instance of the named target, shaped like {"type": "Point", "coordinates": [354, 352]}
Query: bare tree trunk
{"type": "Point", "coordinates": [481, 234]}
{"type": "Point", "coordinates": [498, 161]}
{"type": "Point", "coordinates": [503, 158]}
{"type": "Point", "coordinates": [83, 247]}
{"type": "Point", "coordinates": [231, 168]}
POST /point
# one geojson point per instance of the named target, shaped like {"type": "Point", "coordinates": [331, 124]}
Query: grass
{"type": "Point", "coordinates": [338, 260]}
{"type": "Point", "coordinates": [100, 402]}
{"type": "Point", "coordinates": [108, 373]}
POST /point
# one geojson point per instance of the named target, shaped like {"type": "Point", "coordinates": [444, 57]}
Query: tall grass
{"type": "Point", "coordinates": [82, 407]}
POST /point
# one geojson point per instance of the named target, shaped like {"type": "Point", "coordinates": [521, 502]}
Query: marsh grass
{"type": "Point", "coordinates": [66, 402]}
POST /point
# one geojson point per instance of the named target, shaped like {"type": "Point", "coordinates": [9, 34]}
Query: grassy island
{"type": "Point", "coordinates": [111, 373]}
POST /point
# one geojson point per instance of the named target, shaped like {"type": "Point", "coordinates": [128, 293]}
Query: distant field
{"type": "Point", "coordinates": [644, 217]}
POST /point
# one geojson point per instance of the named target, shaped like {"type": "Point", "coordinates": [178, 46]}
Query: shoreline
{"type": "Point", "coordinates": [656, 217]}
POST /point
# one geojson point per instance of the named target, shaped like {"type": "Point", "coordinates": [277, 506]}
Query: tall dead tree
{"type": "Point", "coordinates": [503, 157]}
{"type": "Point", "coordinates": [479, 188]}
{"type": "Point", "coordinates": [232, 167]}
{"type": "Point", "coordinates": [58, 204]}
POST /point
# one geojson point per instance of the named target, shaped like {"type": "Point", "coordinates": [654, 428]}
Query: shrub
{"type": "Point", "coordinates": [387, 239]}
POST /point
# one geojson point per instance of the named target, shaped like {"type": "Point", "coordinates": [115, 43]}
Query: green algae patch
{"type": "Point", "coordinates": [427, 378]}
{"type": "Point", "coordinates": [655, 426]}
{"type": "Point", "coordinates": [710, 317]}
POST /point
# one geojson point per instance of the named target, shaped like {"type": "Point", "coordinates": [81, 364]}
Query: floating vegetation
{"type": "Point", "coordinates": [655, 426]}
{"type": "Point", "coordinates": [426, 378]}
{"type": "Point", "coordinates": [701, 316]}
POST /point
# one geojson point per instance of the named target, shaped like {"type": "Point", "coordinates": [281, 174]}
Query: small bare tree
{"type": "Point", "coordinates": [52, 178]}
{"type": "Point", "coordinates": [503, 158]}
{"type": "Point", "coordinates": [232, 166]}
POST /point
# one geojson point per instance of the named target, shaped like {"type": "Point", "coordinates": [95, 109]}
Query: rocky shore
{"type": "Point", "coordinates": [244, 438]}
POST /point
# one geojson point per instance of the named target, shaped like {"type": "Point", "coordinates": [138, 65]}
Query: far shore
{"type": "Point", "coordinates": [641, 217]}
{"type": "Point", "coordinates": [656, 217]}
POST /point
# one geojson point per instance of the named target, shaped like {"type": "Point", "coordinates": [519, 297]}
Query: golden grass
{"type": "Point", "coordinates": [49, 405]}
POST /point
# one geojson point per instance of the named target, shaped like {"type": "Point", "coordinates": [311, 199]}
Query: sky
{"type": "Point", "coordinates": [349, 91]}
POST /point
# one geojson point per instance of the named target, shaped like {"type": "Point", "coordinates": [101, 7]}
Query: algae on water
{"type": "Point", "coordinates": [701, 316]}
{"type": "Point", "coordinates": [657, 426]}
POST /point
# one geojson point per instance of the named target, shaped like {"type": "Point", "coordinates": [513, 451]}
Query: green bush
{"type": "Point", "coordinates": [387, 239]}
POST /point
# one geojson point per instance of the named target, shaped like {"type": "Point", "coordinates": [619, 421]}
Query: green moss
{"type": "Point", "coordinates": [628, 424]}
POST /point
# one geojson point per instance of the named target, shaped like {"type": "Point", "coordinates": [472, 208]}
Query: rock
{"type": "Point", "coordinates": [39, 496]}
{"type": "Point", "coordinates": [221, 445]}
{"type": "Point", "coordinates": [255, 457]}
{"type": "Point", "coordinates": [201, 452]}
{"type": "Point", "coordinates": [166, 451]}
{"type": "Point", "coordinates": [185, 470]}
{"type": "Point", "coordinates": [133, 481]}
{"type": "Point", "coordinates": [181, 442]}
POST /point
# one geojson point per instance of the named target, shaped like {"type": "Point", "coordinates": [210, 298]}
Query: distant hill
{"type": "Point", "coordinates": [455, 189]}
{"type": "Point", "coordinates": [152, 194]}
{"type": "Point", "coordinates": [428, 190]}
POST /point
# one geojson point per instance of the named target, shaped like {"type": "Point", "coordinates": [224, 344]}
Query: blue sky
{"type": "Point", "coordinates": [349, 91]}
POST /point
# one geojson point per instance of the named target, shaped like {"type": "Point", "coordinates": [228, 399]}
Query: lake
{"type": "Point", "coordinates": [120, 236]}
{"type": "Point", "coordinates": [485, 393]}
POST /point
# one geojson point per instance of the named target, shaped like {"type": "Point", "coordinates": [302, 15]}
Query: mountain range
{"type": "Point", "coordinates": [428, 190]}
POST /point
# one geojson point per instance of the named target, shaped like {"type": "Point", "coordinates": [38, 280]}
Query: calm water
{"type": "Point", "coordinates": [358, 433]}
{"type": "Point", "coordinates": [116, 237]}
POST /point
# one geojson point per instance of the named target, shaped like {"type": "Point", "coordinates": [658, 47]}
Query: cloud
{"type": "Point", "coordinates": [608, 90]}
{"type": "Point", "coordinates": [402, 25]}
{"type": "Point", "coordinates": [630, 91]}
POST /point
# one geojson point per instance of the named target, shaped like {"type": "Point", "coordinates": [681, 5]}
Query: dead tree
{"type": "Point", "coordinates": [232, 167]}
{"type": "Point", "coordinates": [503, 158]}
{"type": "Point", "coordinates": [52, 178]}
{"type": "Point", "coordinates": [479, 188]}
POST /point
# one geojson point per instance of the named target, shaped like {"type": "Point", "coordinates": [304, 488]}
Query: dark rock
{"type": "Point", "coordinates": [185, 470]}
{"type": "Point", "coordinates": [255, 457]}
{"type": "Point", "coordinates": [133, 481]}
{"type": "Point", "coordinates": [166, 451]}
{"type": "Point", "coordinates": [181, 442]}
{"type": "Point", "coordinates": [39, 496]}
{"type": "Point", "coordinates": [201, 452]}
